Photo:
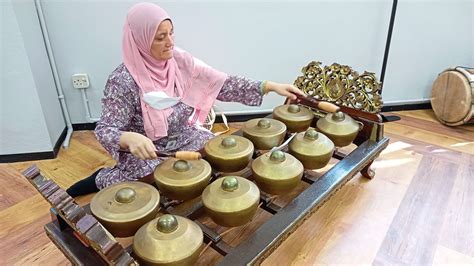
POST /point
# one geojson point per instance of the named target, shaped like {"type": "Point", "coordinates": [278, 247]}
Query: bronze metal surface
{"type": "Point", "coordinates": [277, 172]}
{"type": "Point", "coordinates": [181, 179]}
{"type": "Point", "coordinates": [312, 148]}
{"type": "Point", "coordinates": [122, 208]}
{"type": "Point", "coordinates": [168, 240]}
{"type": "Point", "coordinates": [228, 153]}
{"type": "Point", "coordinates": [296, 118]}
{"type": "Point", "coordinates": [265, 133]}
{"type": "Point", "coordinates": [231, 200]}
{"type": "Point", "coordinates": [339, 127]}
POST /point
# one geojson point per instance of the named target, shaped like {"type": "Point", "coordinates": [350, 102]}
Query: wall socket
{"type": "Point", "coordinates": [80, 81]}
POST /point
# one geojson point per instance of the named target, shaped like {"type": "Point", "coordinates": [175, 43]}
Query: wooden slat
{"type": "Point", "coordinates": [71, 243]}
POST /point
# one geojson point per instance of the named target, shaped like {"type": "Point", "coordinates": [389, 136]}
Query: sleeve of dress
{"type": "Point", "coordinates": [242, 90]}
{"type": "Point", "coordinates": [117, 112]}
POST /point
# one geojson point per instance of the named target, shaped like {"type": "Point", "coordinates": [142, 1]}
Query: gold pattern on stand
{"type": "Point", "coordinates": [341, 85]}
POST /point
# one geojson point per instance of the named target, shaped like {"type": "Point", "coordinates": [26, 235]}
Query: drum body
{"type": "Point", "coordinates": [452, 96]}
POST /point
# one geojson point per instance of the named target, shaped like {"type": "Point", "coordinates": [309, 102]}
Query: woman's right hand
{"type": "Point", "coordinates": [139, 145]}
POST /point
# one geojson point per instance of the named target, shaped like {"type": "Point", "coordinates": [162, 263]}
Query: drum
{"type": "Point", "coordinates": [452, 96]}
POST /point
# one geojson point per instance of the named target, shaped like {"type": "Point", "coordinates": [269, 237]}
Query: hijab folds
{"type": "Point", "coordinates": [187, 79]}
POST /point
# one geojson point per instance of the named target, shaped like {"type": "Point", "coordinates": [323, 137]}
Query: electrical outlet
{"type": "Point", "coordinates": [80, 81]}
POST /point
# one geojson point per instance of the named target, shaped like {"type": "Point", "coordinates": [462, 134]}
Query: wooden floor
{"type": "Point", "coordinates": [419, 209]}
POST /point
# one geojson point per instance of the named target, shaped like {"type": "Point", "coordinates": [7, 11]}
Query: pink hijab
{"type": "Point", "coordinates": [181, 76]}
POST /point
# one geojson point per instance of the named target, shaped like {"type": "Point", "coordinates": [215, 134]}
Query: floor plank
{"type": "Point", "coordinates": [431, 137]}
{"type": "Point", "coordinates": [446, 256]}
{"type": "Point", "coordinates": [429, 115]}
{"type": "Point", "coordinates": [458, 227]}
{"type": "Point", "coordinates": [22, 215]}
{"type": "Point", "coordinates": [431, 125]}
{"type": "Point", "coordinates": [14, 186]}
{"type": "Point", "coordinates": [47, 254]}
{"type": "Point", "coordinates": [415, 230]}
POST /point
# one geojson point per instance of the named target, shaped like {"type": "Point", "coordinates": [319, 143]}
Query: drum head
{"type": "Point", "coordinates": [451, 97]}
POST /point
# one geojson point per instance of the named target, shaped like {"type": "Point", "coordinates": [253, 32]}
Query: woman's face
{"type": "Point", "coordinates": [163, 43]}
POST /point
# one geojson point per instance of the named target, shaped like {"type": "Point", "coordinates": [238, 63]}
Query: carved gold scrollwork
{"type": "Point", "coordinates": [341, 85]}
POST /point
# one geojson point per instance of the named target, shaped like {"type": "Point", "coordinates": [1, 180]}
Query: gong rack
{"type": "Point", "coordinates": [85, 241]}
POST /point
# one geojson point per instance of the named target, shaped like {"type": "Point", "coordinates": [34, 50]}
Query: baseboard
{"type": "Point", "coordinates": [21, 157]}
{"type": "Point", "coordinates": [59, 142]}
{"type": "Point", "coordinates": [84, 126]}
{"type": "Point", "coordinates": [406, 107]}
{"type": "Point", "coordinates": [35, 156]}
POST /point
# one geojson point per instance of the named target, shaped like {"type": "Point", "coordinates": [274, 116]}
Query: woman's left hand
{"type": "Point", "coordinates": [286, 90]}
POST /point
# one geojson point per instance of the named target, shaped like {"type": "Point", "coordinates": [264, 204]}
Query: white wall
{"type": "Point", "coordinates": [273, 40]}
{"type": "Point", "coordinates": [36, 51]}
{"type": "Point", "coordinates": [260, 40]}
{"type": "Point", "coordinates": [31, 117]}
{"type": "Point", "coordinates": [428, 37]}
{"type": "Point", "coordinates": [23, 127]}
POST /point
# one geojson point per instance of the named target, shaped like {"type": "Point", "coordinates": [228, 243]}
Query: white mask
{"type": "Point", "coordinates": [159, 100]}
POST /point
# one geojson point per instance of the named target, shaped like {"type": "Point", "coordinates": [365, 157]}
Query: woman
{"type": "Point", "coordinates": [156, 100]}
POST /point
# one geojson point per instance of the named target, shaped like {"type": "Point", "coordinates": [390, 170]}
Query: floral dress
{"type": "Point", "coordinates": [121, 112]}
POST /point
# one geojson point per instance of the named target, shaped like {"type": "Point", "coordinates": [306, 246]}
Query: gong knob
{"type": "Point", "coordinates": [167, 223]}
{"type": "Point", "coordinates": [230, 183]}
{"type": "Point", "coordinates": [181, 166]}
{"type": "Point", "coordinates": [277, 156]}
{"type": "Point", "coordinates": [125, 195]}
{"type": "Point", "coordinates": [338, 116]}
{"type": "Point", "coordinates": [264, 123]}
{"type": "Point", "coordinates": [229, 142]}
{"type": "Point", "coordinates": [293, 108]}
{"type": "Point", "coordinates": [311, 134]}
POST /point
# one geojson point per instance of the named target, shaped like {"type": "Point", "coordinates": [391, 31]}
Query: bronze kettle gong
{"type": "Point", "coordinates": [168, 240]}
{"type": "Point", "coordinates": [182, 179]}
{"type": "Point", "coordinates": [228, 153]}
{"type": "Point", "coordinates": [312, 148]}
{"type": "Point", "coordinates": [296, 118]}
{"type": "Point", "coordinates": [231, 200]}
{"type": "Point", "coordinates": [342, 129]}
{"type": "Point", "coordinates": [122, 208]}
{"type": "Point", "coordinates": [277, 172]}
{"type": "Point", "coordinates": [265, 133]}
